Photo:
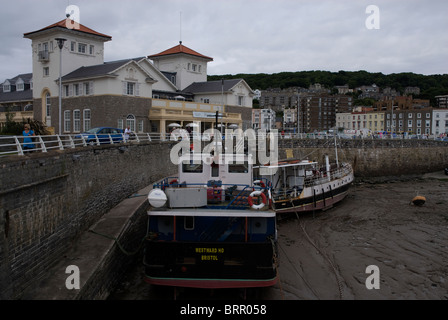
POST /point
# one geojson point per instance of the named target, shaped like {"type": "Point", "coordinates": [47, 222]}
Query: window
{"type": "Point", "coordinates": [67, 122]}
{"type": "Point", "coordinates": [76, 89]}
{"type": "Point", "coordinates": [428, 115]}
{"type": "Point", "coordinates": [189, 223]}
{"type": "Point", "coordinates": [140, 126]}
{"type": "Point", "coordinates": [87, 120]}
{"type": "Point", "coordinates": [6, 88]}
{"type": "Point", "coordinates": [130, 88]}
{"type": "Point", "coordinates": [410, 122]}
{"type": "Point", "coordinates": [428, 123]}
{"type": "Point", "coordinates": [46, 71]}
{"type": "Point", "coordinates": [82, 48]}
{"type": "Point", "coordinates": [86, 88]}
{"type": "Point", "coordinates": [239, 168]}
{"type": "Point", "coordinates": [67, 91]}
{"type": "Point", "coordinates": [192, 167]}
{"type": "Point", "coordinates": [419, 123]}
{"type": "Point", "coordinates": [240, 100]}
{"type": "Point", "coordinates": [76, 120]}
{"type": "Point", "coordinates": [130, 122]}
{"type": "Point", "coordinates": [72, 45]}
{"type": "Point", "coordinates": [120, 124]}
{"type": "Point", "coordinates": [410, 115]}
{"type": "Point", "coordinates": [193, 67]}
{"type": "Point", "coordinates": [20, 86]}
{"type": "Point", "coordinates": [48, 104]}
{"type": "Point", "coordinates": [419, 115]}
{"type": "Point", "coordinates": [437, 123]}
{"type": "Point", "coordinates": [91, 49]}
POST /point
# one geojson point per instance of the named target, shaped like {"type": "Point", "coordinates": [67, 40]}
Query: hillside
{"type": "Point", "coordinates": [430, 85]}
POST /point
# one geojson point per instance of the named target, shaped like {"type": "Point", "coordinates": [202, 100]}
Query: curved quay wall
{"type": "Point", "coordinates": [374, 159]}
{"type": "Point", "coordinates": [47, 200]}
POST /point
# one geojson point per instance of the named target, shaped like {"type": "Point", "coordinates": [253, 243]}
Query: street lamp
{"type": "Point", "coordinates": [60, 45]}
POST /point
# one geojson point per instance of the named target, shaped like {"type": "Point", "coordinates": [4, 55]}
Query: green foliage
{"type": "Point", "coordinates": [430, 85]}
{"type": "Point", "coordinates": [14, 128]}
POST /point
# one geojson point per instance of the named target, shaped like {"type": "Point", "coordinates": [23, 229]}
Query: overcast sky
{"type": "Point", "coordinates": [249, 36]}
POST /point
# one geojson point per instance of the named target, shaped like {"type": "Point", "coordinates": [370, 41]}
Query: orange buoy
{"type": "Point", "coordinates": [419, 200]}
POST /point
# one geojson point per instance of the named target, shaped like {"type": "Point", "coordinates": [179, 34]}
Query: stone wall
{"type": "Point", "coordinates": [48, 199]}
{"type": "Point", "coordinates": [374, 158]}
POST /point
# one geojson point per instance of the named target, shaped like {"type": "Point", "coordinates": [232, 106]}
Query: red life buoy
{"type": "Point", "coordinates": [256, 194]}
{"type": "Point", "coordinates": [260, 182]}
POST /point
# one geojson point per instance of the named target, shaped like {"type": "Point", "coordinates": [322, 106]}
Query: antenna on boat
{"type": "Point", "coordinates": [336, 151]}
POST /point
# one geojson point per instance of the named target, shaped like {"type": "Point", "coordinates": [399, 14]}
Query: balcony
{"type": "Point", "coordinates": [44, 56]}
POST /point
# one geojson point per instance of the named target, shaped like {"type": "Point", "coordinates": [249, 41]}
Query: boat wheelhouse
{"type": "Point", "coordinates": [303, 185]}
{"type": "Point", "coordinates": [211, 227]}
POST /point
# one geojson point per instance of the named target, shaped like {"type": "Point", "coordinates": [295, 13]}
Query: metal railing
{"type": "Point", "coordinates": [18, 145]}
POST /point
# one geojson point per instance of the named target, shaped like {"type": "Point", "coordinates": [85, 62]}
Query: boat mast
{"type": "Point", "coordinates": [336, 151]}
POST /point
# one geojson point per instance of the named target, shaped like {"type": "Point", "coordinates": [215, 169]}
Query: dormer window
{"type": "Point", "coordinates": [6, 86]}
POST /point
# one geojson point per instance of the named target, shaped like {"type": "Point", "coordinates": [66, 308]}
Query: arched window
{"type": "Point", "coordinates": [130, 122]}
{"type": "Point", "coordinates": [48, 104]}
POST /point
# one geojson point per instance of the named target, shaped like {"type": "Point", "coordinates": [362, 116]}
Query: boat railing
{"type": "Point", "coordinates": [320, 177]}
{"type": "Point", "coordinates": [235, 195]}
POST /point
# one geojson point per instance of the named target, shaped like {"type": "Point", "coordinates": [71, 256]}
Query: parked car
{"type": "Point", "coordinates": [104, 135]}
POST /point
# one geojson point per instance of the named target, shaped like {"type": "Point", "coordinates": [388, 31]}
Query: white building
{"type": "Point", "coordinates": [440, 122]}
{"type": "Point", "coordinates": [263, 119]}
{"type": "Point", "coordinates": [120, 93]}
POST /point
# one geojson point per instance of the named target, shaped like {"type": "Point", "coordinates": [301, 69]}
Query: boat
{"type": "Point", "coordinates": [211, 226]}
{"type": "Point", "coordinates": [303, 185]}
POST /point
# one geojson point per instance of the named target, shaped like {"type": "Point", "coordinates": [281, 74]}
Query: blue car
{"type": "Point", "coordinates": [104, 135]}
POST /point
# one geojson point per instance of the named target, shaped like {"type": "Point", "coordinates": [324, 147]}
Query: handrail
{"type": "Point", "coordinates": [16, 144]}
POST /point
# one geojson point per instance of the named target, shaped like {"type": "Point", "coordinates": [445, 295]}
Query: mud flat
{"type": "Point", "coordinates": [324, 256]}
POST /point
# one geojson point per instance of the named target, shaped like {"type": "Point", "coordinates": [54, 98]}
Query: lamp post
{"type": "Point", "coordinates": [60, 45]}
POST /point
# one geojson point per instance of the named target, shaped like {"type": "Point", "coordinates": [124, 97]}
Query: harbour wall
{"type": "Point", "coordinates": [373, 160]}
{"type": "Point", "coordinates": [47, 200]}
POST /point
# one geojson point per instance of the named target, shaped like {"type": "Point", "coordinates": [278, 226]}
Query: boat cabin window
{"type": "Point", "coordinates": [189, 223]}
{"type": "Point", "coordinates": [215, 170]}
{"type": "Point", "coordinates": [192, 168]}
{"type": "Point", "coordinates": [239, 168]}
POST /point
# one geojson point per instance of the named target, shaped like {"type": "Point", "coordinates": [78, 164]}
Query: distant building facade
{"type": "Point", "coordinates": [440, 122]}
